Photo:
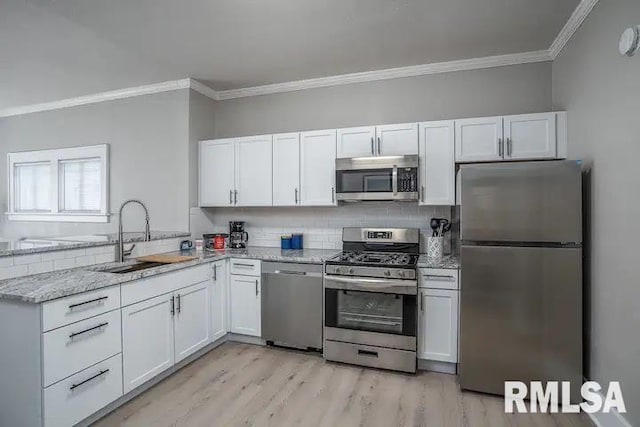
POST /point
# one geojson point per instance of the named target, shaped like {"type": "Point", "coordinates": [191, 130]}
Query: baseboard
{"type": "Point", "coordinates": [153, 381]}
{"type": "Point", "coordinates": [436, 366]}
{"type": "Point", "coordinates": [246, 339]}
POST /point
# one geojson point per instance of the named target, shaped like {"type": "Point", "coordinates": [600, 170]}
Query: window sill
{"type": "Point", "coordinates": [56, 217]}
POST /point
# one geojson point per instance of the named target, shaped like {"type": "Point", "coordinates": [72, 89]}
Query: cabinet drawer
{"type": "Point", "coordinates": [75, 398]}
{"type": "Point", "coordinates": [439, 278]}
{"type": "Point", "coordinates": [74, 308]}
{"type": "Point", "coordinates": [153, 286]}
{"type": "Point", "coordinates": [75, 347]}
{"type": "Point", "coordinates": [245, 267]}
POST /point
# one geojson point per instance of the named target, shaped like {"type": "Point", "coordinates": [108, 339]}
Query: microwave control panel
{"type": "Point", "coordinates": [408, 180]}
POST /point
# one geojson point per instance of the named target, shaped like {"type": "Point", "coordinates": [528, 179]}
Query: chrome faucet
{"type": "Point", "coordinates": [147, 233]}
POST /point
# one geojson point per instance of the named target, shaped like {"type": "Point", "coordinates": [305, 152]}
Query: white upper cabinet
{"type": "Point", "coordinates": [253, 172]}
{"type": "Point", "coordinates": [216, 172]}
{"type": "Point", "coordinates": [479, 139]}
{"type": "Point", "coordinates": [192, 322]}
{"type": "Point", "coordinates": [530, 136]}
{"type": "Point", "coordinates": [437, 163]}
{"type": "Point", "coordinates": [385, 140]}
{"type": "Point", "coordinates": [318, 168]}
{"type": "Point", "coordinates": [286, 169]}
{"type": "Point", "coordinates": [397, 140]}
{"type": "Point", "coordinates": [357, 142]}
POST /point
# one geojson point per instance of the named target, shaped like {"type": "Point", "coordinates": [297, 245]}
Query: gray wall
{"type": "Point", "coordinates": [601, 91]}
{"type": "Point", "coordinates": [45, 57]}
{"type": "Point", "coordinates": [503, 90]}
{"type": "Point", "coordinates": [148, 139]}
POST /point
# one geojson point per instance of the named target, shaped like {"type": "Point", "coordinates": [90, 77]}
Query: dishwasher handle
{"type": "Point", "coordinates": [298, 273]}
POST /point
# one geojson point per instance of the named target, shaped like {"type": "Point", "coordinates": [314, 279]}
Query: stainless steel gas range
{"type": "Point", "coordinates": [370, 293]}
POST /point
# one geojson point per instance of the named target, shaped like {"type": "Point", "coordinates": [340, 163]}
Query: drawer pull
{"type": "Point", "coordinates": [100, 326]}
{"type": "Point", "coordinates": [439, 278]}
{"type": "Point", "coordinates": [178, 304]}
{"type": "Point", "coordinates": [91, 301]}
{"type": "Point", "coordinates": [367, 353]}
{"type": "Point", "coordinates": [242, 265]}
{"type": "Point", "coordinates": [99, 374]}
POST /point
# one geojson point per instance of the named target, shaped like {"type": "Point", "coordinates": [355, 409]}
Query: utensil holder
{"type": "Point", "coordinates": [435, 248]}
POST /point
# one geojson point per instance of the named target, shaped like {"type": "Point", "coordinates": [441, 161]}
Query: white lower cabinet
{"type": "Point", "coordinates": [70, 349]}
{"type": "Point", "coordinates": [78, 396]}
{"type": "Point", "coordinates": [219, 293]}
{"type": "Point", "coordinates": [191, 320]}
{"type": "Point", "coordinates": [245, 305]}
{"type": "Point", "coordinates": [438, 325]}
{"type": "Point", "coordinates": [147, 340]}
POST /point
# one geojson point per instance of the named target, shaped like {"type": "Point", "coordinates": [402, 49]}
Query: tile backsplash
{"type": "Point", "coordinates": [321, 226]}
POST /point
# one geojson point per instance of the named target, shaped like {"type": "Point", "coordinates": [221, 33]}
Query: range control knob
{"type": "Point", "coordinates": [338, 270]}
{"type": "Point", "coordinates": [351, 271]}
{"type": "Point", "coordinates": [401, 273]}
{"type": "Point", "coordinates": [387, 273]}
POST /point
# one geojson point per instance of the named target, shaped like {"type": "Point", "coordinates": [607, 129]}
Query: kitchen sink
{"type": "Point", "coordinates": [122, 269]}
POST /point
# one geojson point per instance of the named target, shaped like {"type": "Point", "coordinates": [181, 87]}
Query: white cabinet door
{"type": "Point", "coordinates": [438, 325]}
{"type": "Point", "coordinates": [245, 305]}
{"type": "Point", "coordinates": [356, 142]}
{"type": "Point", "coordinates": [286, 169]}
{"type": "Point", "coordinates": [530, 136]}
{"type": "Point", "coordinates": [479, 139]}
{"type": "Point", "coordinates": [192, 322]}
{"type": "Point", "coordinates": [216, 172]}
{"type": "Point", "coordinates": [318, 168]}
{"type": "Point", "coordinates": [397, 140]}
{"type": "Point", "coordinates": [254, 171]}
{"type": "Point", "coordinates": [219, 300]}
{"type": "Point", "coordinates": [437, 163]}
{"type": "Point", "coordinates": [147, 340]}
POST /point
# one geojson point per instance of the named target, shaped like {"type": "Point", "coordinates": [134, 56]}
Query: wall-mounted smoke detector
{"type": "Point", "coordinates": [629, 41]}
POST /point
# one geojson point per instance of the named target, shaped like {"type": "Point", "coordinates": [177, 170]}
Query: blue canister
{"type": "Point", "coordinates": [296, 241]}
{"type": "Point", "coordinates": [285, 242]}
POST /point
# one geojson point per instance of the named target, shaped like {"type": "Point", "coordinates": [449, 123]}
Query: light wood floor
{"type": "Point", "coordinates": [242, 384]}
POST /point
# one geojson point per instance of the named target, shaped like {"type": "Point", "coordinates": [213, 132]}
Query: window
{"type": "Point", "coordinates": [68, 184]}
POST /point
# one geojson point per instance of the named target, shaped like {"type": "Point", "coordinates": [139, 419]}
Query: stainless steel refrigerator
{"type": "Point", "coordinates": [521, 270]}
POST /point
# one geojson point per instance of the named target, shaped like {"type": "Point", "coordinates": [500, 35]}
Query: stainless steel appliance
{"type": "Point", "coordinates": [238, 238]}
{"type": "Point", "coordinates": [377, 178]}
{"type": "Point", "coordinates": [521, 293]}
{"type": "Point", "coordinates": [291, 304]}
{"type": "Point", "coordinates": [370, 293]}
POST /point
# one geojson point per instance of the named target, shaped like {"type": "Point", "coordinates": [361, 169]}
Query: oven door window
{"type": "Point", "coordinates": [371, 311]}
{"type": "Point", "coordinates": [365, 181]}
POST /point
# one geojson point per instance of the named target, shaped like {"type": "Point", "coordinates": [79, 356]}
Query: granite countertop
{"type": "Point", "coordinates": [57, 284]}
{"type": "Point", "coordinates": [36, 245]}
{"type": "Point", "coordinates": [448, 261]}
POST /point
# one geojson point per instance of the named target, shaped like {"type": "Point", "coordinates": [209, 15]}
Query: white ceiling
{"type": "Point", "coordinates": [241, 43]}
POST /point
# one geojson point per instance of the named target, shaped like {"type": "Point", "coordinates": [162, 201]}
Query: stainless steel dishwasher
{"type": "Point", "coordinates": [292, 304]}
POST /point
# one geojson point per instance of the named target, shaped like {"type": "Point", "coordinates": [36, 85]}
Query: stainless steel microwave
{"type": "Point", "coordinates": [377, 178]}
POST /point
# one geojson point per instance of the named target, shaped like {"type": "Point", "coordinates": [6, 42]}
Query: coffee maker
{"type": "Point", "coordinates": [238, 238]}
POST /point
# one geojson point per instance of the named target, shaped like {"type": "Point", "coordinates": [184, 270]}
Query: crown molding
{"type": "Point", "coordinates": [575, 20]}
{"type": "Point", "coordinates": [390, 73]}
{"type": "Point", "coordinates": [98, 97]}
{"type": "Point", "coordinates": [571, 26]}
{"type": "Point", "coordinates": [204, 89]}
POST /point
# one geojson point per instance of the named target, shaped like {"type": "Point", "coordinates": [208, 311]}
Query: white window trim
{"type": "Point", "coordinates": [54, 157]}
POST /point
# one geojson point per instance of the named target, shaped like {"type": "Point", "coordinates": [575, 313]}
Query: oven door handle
{"type": "Point", "coordinates": [387, 286]}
